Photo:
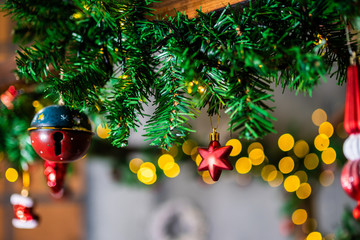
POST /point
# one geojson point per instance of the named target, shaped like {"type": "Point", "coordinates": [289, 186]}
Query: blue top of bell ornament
{"type": "Point", "coordinates": [57, 116]}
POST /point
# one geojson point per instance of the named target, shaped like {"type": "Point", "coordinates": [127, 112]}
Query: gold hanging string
{"type": "Point", "coordinates": [26, 183]}
{"type": "Point", "coordinates": [218, 119]}
{"type": "Point", "coordinates": [351, 52]}
{"type": "Point", "coordinates": [61, 100]}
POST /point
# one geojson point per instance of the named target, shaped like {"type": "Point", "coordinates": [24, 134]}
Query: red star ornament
{"type": "Point", "coordinates": [215, 159]}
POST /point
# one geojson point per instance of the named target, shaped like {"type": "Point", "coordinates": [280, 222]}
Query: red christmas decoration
{"type": "Point", "coordinates": [23, 212]}
{"type": "Point", "coordinates": [350, 182]}
{"type": "Point", "coordinates": [55, 175]}
{"type": "Point", "coordinates": [350, 176]}
{"type": "Point", "coordinates": [215, 157]}
{"type": "Point", "coordinates": [60, 134]}
{"type": "Point", "coordinates": [352, 100]}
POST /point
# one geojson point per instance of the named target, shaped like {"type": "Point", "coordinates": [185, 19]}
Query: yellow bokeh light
{"type": "Point", "coordinates": [303, 191]}
{"type": "Point", "coordinates": [237, 147]}
{"type": "Point", "coordinates": [207, 178]}
{"type": "Point", "coordinates": [188, 146]}
{"type": "Point", "coordinates": [301, 148]}
{"type": "Point", "coordinates": [314, 236]}
{"type": "Point", "coordinates": [292, 183]}
{"type": "Point", "coordinates": [318, 117]}
{"type": "Point", "coordinates": [171, 169]}
{"type": "Point", "coordinates": [35, 104]}
{"type": "Point", "coordinates": [321, 142]}
{"type": "Point", "coordinates": [269, 172]}
{"type": "Point", "coordinates": [286, 165]}
{"type": "Point", "coordinates": [164, 159]}
{"type": "Point", "coordinates": [328, 156]}
{"type": "Point", "coordinates": [327, 129]}
{"type": "Point", "coordinates": [277, 180]}
{"type": "Point", "coordinates": [286, 142]}
{"type": "Point", "coordinates": [135, 164]}
{"type": "Point", "coordinates": [198, 159]}
{"type": "Point", "coordinates": [326, 178]}
{"type": "Point", "coordinates": [257, 156]}
{"type": "Point", "coordinates": [243, 165]}
{"type": "Point", "coordinates": [340, 131]}
{"type": "Point", "coordinates": [310, 225]}
{"type": "Point", "coordinates": [103, 132]}
{"type": "Point", "coordinates": [302, 176]}
{"type": "Point", "coordinates": [173, 151]}
{"type": "Point", "coordinates": [146, 174]}
{"type": "Point", "coordinates": [11, 174]}
{"type": "Point", "coordinates": [311, 161]}
{"type": "Point", "coordinates": [255, 145]}
{"type": "Point", "coordinates": [299, 216]}
{"type": "Point", "coordinates": [194, 153]}
{"type": "Point", "coordinates": [148, 165]}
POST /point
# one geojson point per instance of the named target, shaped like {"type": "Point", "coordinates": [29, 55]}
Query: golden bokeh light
{"type": "Point", "coordinates": [164, 159]}
{"type": "Point", "coordinates": [310, 225]}
{"type": "Point", "coordinates": [11, 175]}
{"type": "Point", "coordinates": [299, 216]}
{"type": "Point", "coordinates": [257, 156]}
{"type": "Point", "coordinates": [311, 161]}
{"type": "Point", "coordinates": [194, 153]}
{"type": "Point", "coordinates": [146, 174]}
{"type": "Point", "coordinates": [340, 131]}
{"type": "Point", "coordinates": [326, 178]}
{"type": "Point", "coordinates": [303, 191]}
{"type": "Point", "coordinates": [301, 148]}
{"type": "Point", "coordinates": [188, 146]}
{"type": "Point", "coordinates": [292, 183]}
{"type": "Point", "coordinates": [171, 169]}
{"type": "Point", "coordinates": [148, 165]}
{"type": "Point", "coordinates": [237, 147]}
{"type": "Point", "coordinates": [243, 165]}
{"type": "Point", "coordinates": [318, 117]}
{"type": "Point", "coordinates": [103, 132]}
{"type": "Point", "coordinates": [286, 165]}
{"type": "Point", "coordinates": [277, 180]}
{"type": "Point", "coordinates": [314, 236]}
{"type": "Point", "coordinates": [173, 151]}
{"type": "Point", "coordinates": [302, 176]}
{"type": "Point", "coordinates": [255, 145]}
{"type": "Point", "coordinates": [327, 129]}
{"type": "Point", "coordinates": [135, 164]}
{"type": "Point", "coordinates": [321, 142]}
{"type": "Point", "coordinates": [286, 142]}
{"type": "Point", "coordinates": [207, 178]}
{"type": "Point", "coordinates": [269, 173]}
{"type": "Point", "coordinates": [328, 156]}
{"type": "Point", "coordinates": [198, 159]}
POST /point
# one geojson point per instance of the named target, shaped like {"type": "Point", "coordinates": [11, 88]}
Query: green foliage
{"type": "Point", "coordinates": [350, 228]}
{"type": "Point", "coordinates": [235, 58]}
{"type": "Point", "coordinates": [14, 138]}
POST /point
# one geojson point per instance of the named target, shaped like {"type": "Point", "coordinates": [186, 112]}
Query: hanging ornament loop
{"type": "Point", "coordinates": [218, 119]}
{"type": "Point", "coordinates": [214, 136]}
{"type": "Point", "coordinates": [348, 43]}
{"type": "Point", "coordinates": [26, 183]}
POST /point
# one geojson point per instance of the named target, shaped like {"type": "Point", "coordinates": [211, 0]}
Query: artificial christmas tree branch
{"type": "Point", "coordinates": [180, 64]}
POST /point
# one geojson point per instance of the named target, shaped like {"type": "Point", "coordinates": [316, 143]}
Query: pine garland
{"type": "Point", "coordinates": [233, 59]}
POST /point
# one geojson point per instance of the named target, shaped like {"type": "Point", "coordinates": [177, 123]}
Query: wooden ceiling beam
{"type": "Point", "coordinates": [167, 7]}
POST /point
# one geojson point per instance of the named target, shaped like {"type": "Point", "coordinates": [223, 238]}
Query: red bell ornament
{"type": "Point", "coordinates": [350, 182]}
{"type": "Point", "coordinates": [60, 134]}
{"type": "Point", "coordinates": [55, 177]}
{"type": "Point", "coordinates": [215, 157]}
